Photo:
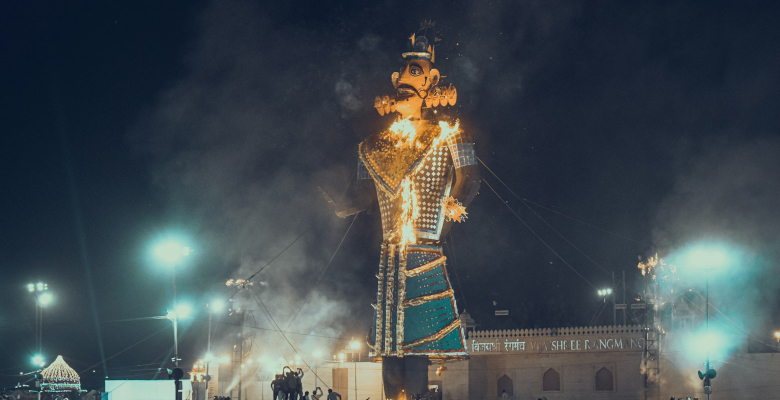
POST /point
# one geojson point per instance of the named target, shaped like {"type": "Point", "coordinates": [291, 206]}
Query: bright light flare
{"type": "Point", "coordinates": [45, 299]}
{"type": "Point", "coordinates": [354, 345]}
{"type": "Point", "coordinates": [342, 356]}
{"type": "Point", "coordinates": [705, 256]}
{"type": "Point", "coordinates": [712, 342]}
{"type": "Point", "coordinates": [182, 310]}
{"type": "Point", "coordinates": [170, 252]}
{"type": "Point", "coordinates": [38, 361]}
{"type": "Point", "coordinates": [31, 287]}
{"type": "Point", "coordinates": [716, 344]}
{"type": "Point", "coordinates": [777, 335]}
{"type": "Point", "coordinates": [405, 131]}
{"type": "Point", "coordinates": [216, 306]}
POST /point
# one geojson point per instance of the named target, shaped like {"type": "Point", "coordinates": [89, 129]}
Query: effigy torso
{"type": "Point", "coordinates": [426, 165]}
{"type": "Point", "coordinates": [415, 312]}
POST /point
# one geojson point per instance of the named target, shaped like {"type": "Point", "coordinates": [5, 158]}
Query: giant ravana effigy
{"type": "Point", "coordinates": [424, 172]}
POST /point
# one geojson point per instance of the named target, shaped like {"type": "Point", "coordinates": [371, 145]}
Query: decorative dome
{"type": "Point", "coordinates": [60, 377]}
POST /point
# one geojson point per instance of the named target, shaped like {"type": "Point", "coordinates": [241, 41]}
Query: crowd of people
{"type": "Point", "coordinates": [288, 386]}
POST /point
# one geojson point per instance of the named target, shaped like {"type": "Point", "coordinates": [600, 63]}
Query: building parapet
{"type": "Point", "coordinates": [552, 332]}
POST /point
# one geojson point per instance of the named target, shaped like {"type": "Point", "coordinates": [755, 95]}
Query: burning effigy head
{"type": "Point", "coordinates": [416, 83]}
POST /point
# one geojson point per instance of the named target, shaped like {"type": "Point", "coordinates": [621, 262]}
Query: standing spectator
{"type": "Point", "coordinates": [332, 395]}
{"type": "Point", "coordinates": [299, 384]}
{"type": "Point", "coordinates": [276, 386]}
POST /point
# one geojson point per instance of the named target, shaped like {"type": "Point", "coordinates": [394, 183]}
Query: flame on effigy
{"type": "Point", "coordinates": [410, 211]}
{"type": "Point", "coordinates": [406, 133]}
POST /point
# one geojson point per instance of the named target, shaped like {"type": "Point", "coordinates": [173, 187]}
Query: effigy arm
{"type": "Point", "coordinates": [360, 195]}
{"type": "Point", "coordinates": [467, 182]}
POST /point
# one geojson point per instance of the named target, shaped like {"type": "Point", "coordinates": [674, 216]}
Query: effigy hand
{"type": "Point", "coordinates": [454, 210]}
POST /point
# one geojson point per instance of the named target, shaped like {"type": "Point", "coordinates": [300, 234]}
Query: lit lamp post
{"type": "Point", "coordinates": [170, 253]}
{"type": "Point", "coordinates": [707, 258]}
{"type": "Point", "coordinates": [180, 311]}
{"type": "Point", "coordinates": [214, 307]}
{"type": "Point", "coordinates": [355, 346]}
{"type": "Point", "coordinates": [43, 298]}
{"type": "Point", "coordinates": [777, 339]}
{"type": "Point", "coordinates": [606, 293]}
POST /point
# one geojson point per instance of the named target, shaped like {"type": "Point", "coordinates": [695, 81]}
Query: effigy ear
{"type": "Point", "coordinates": [394, 78]}
{"type": "Point", "coordinates": [452, 95]}
{"type": "Point", "coordinates": [435, 76]}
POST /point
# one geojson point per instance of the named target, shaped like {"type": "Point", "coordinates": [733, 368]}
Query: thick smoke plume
{"type": "Point", "coordinates": [724, 199]}
{"type": "Point", "coordinates": [239, 144]}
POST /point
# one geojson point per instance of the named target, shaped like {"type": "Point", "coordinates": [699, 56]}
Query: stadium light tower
{"type": "Point", "coordinates": [171, 253]}
{"type": "Point", "coordinates": [43, 298]}
{"type": "Point", "coordinates": [707, 257]}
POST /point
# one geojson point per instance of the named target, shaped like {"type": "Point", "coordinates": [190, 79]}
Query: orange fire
{"type": "Point", "coordinates": [647, 268]}
{"type": "Point", "coordinates": [445, 132]}
{"type": "Point", "coordinates": [406, 133]}
{"type": "Point", "coordinates": [454, 210]}
{"type": "Point", "coordinates": [410, 211]}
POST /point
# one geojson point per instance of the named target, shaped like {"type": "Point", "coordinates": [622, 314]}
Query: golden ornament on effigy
{"type": "Point", "coordinates": [386, 104]}
{"type": "Point", "coordinates": [444, 98]}
{"type": "Point", "coordinates": [378, 105]}
{"type": "Point", "coordinates": [453, 95]}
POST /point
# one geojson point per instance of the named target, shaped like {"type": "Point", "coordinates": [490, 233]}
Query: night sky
{"type": "Point", "coordinates": [624, 128]}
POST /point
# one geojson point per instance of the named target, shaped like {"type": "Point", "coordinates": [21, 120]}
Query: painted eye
{"type": "Point", "coordinates": [415, 71]}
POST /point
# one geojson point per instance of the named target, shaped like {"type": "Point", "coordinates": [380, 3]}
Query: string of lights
{"type": "Point", "coordinates": [271, 318]}
{"type": "Point", "coordinates": [539, 237]}
{"type": "Point", "coordinates": [322, 274]}
{"type": "Point", "coordinates": [451, 251]}
{"type": "Point", "coordinates": [745, 332]}
{"type": "Point", "coordinates": [523, 202]}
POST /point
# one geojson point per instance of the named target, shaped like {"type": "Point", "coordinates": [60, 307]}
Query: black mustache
{"type": "Point", "coordinates": [405, 86]}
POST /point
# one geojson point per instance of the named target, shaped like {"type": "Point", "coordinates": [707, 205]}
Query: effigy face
{"type": "Point", "coordinates": [412, 85]}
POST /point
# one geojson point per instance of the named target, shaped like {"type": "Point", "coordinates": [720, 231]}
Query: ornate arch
{"type": "Point", "coordinates": [551, 381]}
{"type": "Point", "coordinates": [505, 383]}
{"type": "Point", "coordinates": [605, 380]}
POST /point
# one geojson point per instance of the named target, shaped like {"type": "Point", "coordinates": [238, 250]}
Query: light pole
{"type": "Point", "coordinates": [213, 307]}
{"type": "Point", "coordinates": [604, 293]}
{"type": "Point", "coordinates": [355, 346]}
{"type": "Point", "coordinates": [43, 298]}
{"type": "Point", "coordinates": [180, 311]}
{"type": "Point", "coordinates": [171, 253]}
{"type": "Point", "coordinates": [707, 257]}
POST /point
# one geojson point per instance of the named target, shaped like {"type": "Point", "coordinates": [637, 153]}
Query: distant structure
{"type": "Point", "coordinates": [60, 377]}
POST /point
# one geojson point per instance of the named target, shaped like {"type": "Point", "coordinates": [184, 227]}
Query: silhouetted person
{"type": "Point", "coordinates": [299, 384]}
{"type": "Point", "coordinates": [276, 386]}
{"type": "Point", "coordinates": [332, 395]}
